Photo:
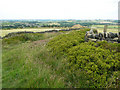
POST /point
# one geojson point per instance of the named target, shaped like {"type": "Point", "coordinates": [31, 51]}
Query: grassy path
{"type": "Point", "coordinates": [30, 65]}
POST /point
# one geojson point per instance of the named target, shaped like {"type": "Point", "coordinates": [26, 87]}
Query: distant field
{"type": "Point", "coordinates": [5, 32]}
{"type": "Point", "coordinates": [108, 30]}
{"type": "Point", "coordinates": [111, 28]}
{"type": "Point", "coordinates": [100, 28]}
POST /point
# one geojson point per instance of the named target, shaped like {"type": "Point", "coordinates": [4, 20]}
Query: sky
{"type": "Point", "coordinates": [59, 9]}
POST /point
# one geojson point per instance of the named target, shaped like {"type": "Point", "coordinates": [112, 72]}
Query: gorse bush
{"type": "Point", "coordinates": [102, 66]}
{"type": "Point", "coordinates": [99, 61]}
{"type": "Point", "coordinates": [111, 46]}
{"type": "Point", "coordinates": [60, 44]}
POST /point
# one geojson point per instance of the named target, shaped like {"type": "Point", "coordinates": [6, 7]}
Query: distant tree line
{"type": "Point", "coordinates": [36, 24]}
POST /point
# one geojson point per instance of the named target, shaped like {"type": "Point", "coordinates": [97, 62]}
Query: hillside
{"type": "Point", "coordinates": [77, 26]}
{"type": "Point", "coordinates": [59, 60]}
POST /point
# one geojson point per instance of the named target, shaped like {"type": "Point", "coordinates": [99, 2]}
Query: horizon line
{"type": "Point", "coordinates": [58, 19]}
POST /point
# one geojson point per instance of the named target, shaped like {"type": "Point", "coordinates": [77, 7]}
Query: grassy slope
{"type": "Point", "coordinates": [26, 65]}
{"type": "Point", "coordinates": [31, 65]}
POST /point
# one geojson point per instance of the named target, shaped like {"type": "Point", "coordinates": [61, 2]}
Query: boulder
{"type": "Point", "coordinates": [111, 35]}
{"type": "Point", "coordinates": [90, 36]}
{"type": "Point", "coordinates": [96, 36]}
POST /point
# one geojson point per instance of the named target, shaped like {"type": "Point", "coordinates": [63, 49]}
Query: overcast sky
{"type": "Point", "coordinates": [59, 9]}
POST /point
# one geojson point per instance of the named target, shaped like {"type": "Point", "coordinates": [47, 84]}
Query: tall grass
{"type": "Point", "coordinates": [29, 64]}
{"type": "Point", "coordinates": [25, 67]}
{"type": "Point", "coordinates": [22, 38]}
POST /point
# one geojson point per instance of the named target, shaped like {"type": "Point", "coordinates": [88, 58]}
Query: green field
{"type": "Point", "coordinates": [108, 30]}
{"type": "Point", "coordinates": [111, 28]}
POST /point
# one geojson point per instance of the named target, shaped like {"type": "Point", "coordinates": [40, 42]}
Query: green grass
{"type": "Point", "coordinates": [25, 65]}
{"type": "Point", "coordinates": [21, 38]}
{"type": "Point", "coordinates": [108, 30]}
{"type": "Point", "coordinates": [31, 65]}
{"type": "Point", "coordinates": [111, 28]}
{"type": "Point", "coordinates": [53, 60]}
{"type": "Point", "coordinates": [102, 26]}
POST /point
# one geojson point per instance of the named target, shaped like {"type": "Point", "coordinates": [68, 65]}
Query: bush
{"type": "Point", "coordinates": [95, 31]}
{"type": "Point", "coordinates": [100, 61]}
{"type": "Point", "coordinates": [111, 46]}
{"type": "Point", "coordinates": [60, 44]}
{"type": "Point", "coordinates": [102, 66]}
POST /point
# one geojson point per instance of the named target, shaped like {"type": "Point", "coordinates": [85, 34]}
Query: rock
{"type": "Point", "coordinates": [90, 36]}
{"type": "Point", "coordinates": [111, 35]}
{"type": "Point", "coordinates": [96, 36]}
{"type": "Point", "coordinates": [116, 34]}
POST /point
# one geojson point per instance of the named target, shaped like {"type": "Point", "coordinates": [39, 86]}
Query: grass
{"type": "Point", "coordinates": [111, 28]}
{"type": "Point", "coordinates": [30, 65]}
{"type": "Point", "coordinates": [21, 38]}
{"type": "Point", "coordinates": [29, 69]}
{"type": "Point", "coordinates": [108, 30]}
{"type": "Point", "coordinates": [38, 61]}
{"type": "Point", "coordinates": [102, 26]}
{"type": "Point", "coordinates": [5, 32]}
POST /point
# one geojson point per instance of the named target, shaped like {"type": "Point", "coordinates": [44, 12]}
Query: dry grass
{"type": "Point", "coordinates": [108, 30]}
{"type": "Point", "coordinates": [5, 32]}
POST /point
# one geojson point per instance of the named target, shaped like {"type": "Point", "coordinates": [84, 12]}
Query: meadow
{"type": "Point", "coordinates": [111, 28]}
{"type": "Point", "coordinates": [102, 26]}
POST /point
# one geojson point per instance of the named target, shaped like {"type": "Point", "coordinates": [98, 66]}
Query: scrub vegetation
{"type": "Point", "coordinates": [59, 60]}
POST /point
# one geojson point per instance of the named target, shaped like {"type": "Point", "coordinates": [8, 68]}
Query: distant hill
{"type": "Point", "coordinates": [77, 26]}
